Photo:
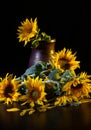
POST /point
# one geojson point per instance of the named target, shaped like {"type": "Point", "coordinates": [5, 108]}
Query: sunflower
{"type": "Point", "coordinates": [65, 60]}
{"type": "Point", "coordinates": [80, 86]}
{"type": "Point", "coordinates": [8, 89]}
{"type": "Point", "coordinates": [36, 91]}
{"type": "Point", "coordinates": [27, 30]}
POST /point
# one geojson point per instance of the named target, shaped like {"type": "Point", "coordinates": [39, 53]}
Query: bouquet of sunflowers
{"type": "Point", "coordinates": [45, 85]}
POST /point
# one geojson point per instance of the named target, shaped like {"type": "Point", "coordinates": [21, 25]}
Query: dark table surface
{"type": "Point", "coordinates": [59, 118]}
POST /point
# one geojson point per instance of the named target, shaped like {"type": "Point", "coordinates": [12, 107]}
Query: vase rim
{"type": "Point", "coordinates": [52, 40]}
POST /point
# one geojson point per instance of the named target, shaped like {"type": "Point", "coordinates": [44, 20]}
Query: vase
{"type": "Point", "coordinates": [42, 52]}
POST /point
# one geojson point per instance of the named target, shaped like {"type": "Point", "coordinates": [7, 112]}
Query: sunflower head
{"type": "Point", "coordinates": [80, 86]}
{"type": "Point", "coordinates": [29, 32]}
{"type": "Point", "coordinates": [65, 60]}
{"type": "Point", "coordinates": [36, 91]}
{"type": "Point", "coordinates": [8, 89]}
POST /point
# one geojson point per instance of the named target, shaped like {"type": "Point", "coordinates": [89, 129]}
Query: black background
{"type": "Point", "coordinates": [67, 21]}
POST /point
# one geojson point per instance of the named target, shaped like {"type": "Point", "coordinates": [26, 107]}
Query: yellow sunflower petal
{"type": "Point", "coordinates": [12, 109]}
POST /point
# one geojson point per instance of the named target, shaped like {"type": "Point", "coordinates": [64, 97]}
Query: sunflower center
{"type": "Point", "coordinates": [79, 86]}
{"type": "Point", "coordinates": [64, 63]}
{"type": "Point", "coordinates": [34, 94]}
{"type": "Point", "coordinates": [29, 30]}
{"type": "Point", "coordinates": [8, 91]}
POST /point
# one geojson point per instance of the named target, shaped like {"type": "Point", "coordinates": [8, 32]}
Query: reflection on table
{"type": "Point", "coordinates": [67, 117]}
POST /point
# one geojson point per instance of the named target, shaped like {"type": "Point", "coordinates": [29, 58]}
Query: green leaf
{"type": "Point", "coordinates": [67, 76]}
{"type": "Point", "coordinates": [37, 69]}
{"type": "Point", "coordinates": [55, 74]}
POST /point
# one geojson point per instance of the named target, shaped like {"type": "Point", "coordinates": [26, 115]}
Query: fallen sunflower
{"type": "Point", "coordinates": [80, 86]}
{"type": "Point", "coordinates": [36, 92]}
{"type": "Point", "coordinates": [8, 89]}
